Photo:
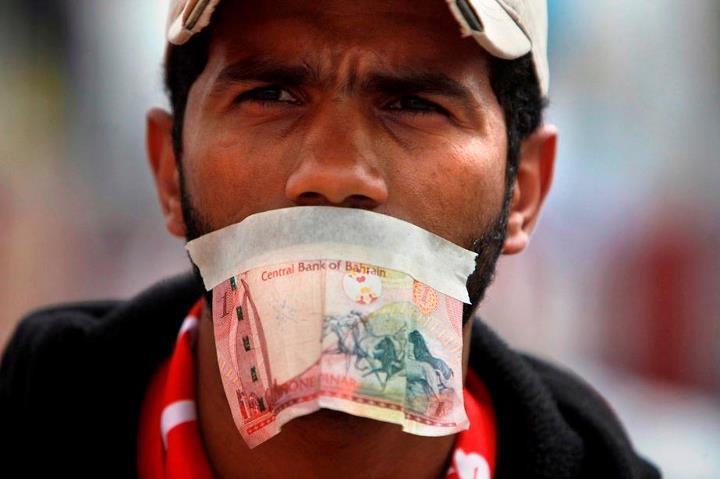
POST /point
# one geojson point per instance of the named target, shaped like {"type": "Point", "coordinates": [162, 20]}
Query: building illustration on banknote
{"type": "Point", "coordinates": [253, 364]}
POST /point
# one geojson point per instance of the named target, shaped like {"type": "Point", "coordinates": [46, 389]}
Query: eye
{"type": "Point", "coordinates": [415, 105]}
{"type": "Point", "coordinates": [267, 95]}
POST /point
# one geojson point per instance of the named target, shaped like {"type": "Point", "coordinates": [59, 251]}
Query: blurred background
{"type": "Point", "coordinates": [621, 282]}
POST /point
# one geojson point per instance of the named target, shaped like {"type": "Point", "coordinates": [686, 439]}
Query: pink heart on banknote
{"type": "Point", "coordinates": [361, 288]}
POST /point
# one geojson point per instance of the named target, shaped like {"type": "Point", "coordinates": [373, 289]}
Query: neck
{"type": "Point", "coordinates": [324, 444]}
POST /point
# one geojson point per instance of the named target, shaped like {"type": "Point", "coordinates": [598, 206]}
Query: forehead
{"type": "Point", "coordinates": [363, 33]}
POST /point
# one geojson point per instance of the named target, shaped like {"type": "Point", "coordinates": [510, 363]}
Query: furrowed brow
{"type": "Point", "coordinates": [262, 69]}
{"type": "Point", "coordinates": [409, 83]}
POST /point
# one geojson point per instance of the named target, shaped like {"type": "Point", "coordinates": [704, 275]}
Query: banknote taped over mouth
{"type": "Point", "coordinates": [337, 308]}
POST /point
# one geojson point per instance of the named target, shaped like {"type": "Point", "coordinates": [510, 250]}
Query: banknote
{"type": "Point", "coordinates": [297, 336]}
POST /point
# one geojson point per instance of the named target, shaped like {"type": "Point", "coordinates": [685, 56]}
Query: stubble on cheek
{"type": "Point", "coordinates": [230, 180]}
{"type": "Point", "coordinates": [471, 190]}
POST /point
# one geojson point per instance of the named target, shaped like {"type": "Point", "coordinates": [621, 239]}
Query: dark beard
{"type": "Point", "coordinates": [488, 246]}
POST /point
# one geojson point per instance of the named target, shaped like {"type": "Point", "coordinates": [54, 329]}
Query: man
{"type": "Point", "coordinates": [377, 105]}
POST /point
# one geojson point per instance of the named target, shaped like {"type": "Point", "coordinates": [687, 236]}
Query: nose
{"type": "Point", "coordinates": [338, 164]}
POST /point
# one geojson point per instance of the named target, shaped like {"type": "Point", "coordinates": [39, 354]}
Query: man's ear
{"type": "Point", "coordinates": [534, 177]}
{"type": "Point", "coordinates": [165, 169]}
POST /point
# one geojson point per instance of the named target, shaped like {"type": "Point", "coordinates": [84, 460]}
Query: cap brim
{"type": "Point", "coordinates": [495, 30]}
{"type": "Point", "coordinates": [187, 18]}
{"type": "Point", "coordinates": [492, 27]}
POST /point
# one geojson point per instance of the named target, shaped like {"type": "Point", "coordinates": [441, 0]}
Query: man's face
{"type": "Point", "coordinates": [378, 105]}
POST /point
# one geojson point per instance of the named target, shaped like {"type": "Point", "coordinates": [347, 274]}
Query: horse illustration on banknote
{"type": "Point", "coordinates": [384, 345]}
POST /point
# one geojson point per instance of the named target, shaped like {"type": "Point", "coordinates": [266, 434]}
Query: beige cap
{"type": "Point", "coordinates": [504, 28]}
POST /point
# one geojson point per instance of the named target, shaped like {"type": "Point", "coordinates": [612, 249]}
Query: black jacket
{"type": "Point", "coordinates": [73, 378]}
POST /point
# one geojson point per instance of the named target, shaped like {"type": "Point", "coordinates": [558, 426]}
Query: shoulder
{"type": "Point", "coordinates": [74, 328]}
{"type": "Point", "coordinates": [551, 419]}
{"type": "Point", "coordinates": [46, 340]}
{"type": "Point", "coordinates": [569, 390]}
{"type": "Point", "coordinates": [50, 340]}
{"type": "Point", "coordinates": [44, 374]}
{"type": "Point", "coordinates": [588, 413]}
{"type": "Point", "coordinates": [580, 403]}
{"type": "Point", "coordinates": [57, 323]}
{"type": "Point", "coordinates": [73, 376]}
{"type": "Point", "coordinates": [573, 394]}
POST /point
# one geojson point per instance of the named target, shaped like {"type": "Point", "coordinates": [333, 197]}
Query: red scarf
{"type": "Point", "coordinates": [170, 447]}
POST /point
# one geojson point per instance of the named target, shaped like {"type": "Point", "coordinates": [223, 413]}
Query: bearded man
{"type": "Point", "coordinates": [429, 112]}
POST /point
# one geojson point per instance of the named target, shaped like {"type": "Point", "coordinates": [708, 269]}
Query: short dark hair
{"type": "Point", "coordinates": [513, 81]}
{"type": "Point", "coordinates": [517, 89]}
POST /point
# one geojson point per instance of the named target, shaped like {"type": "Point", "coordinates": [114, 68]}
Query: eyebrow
{"type": "Point", "coordinates": [402, 81]}
{"type": "Point", "coordinates": [263, 69]}
{"type": "Point", "coordinates": [410, 81]}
